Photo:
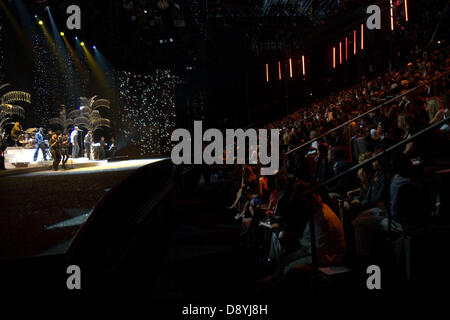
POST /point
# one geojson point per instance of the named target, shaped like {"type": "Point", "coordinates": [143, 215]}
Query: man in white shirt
{"type": "Point", "coordinates": [314, 145]}
{"type": "Point", "coordinates": [74, 142]}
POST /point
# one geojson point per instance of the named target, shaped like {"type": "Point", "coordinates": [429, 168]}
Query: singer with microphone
{"type": "Point", "coordinates": [74, 142]}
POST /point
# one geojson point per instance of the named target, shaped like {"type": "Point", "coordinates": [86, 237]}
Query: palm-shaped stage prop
{"type": "Point", "coordinates": [88, 116]}
{"type": "Point", "coordinates": [64, 121]}
{"type": "Point", "coordinates": [7, 106]}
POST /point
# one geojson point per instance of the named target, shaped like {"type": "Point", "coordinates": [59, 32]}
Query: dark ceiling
{"type": "Point", "coordinates": [175, 33]}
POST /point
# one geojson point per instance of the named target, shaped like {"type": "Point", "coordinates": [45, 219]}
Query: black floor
{"type": "Point", "coordinates": [204, 261]}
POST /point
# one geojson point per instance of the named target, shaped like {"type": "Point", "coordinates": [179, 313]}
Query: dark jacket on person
{"type": "Point", "coordinates": [377, 191]}
{"type": "Point", "coordinates": [324, 170]}
{"type": "Point", "coordinates": [409, 201]}
{"type": "Point", "coordinates": [344, 184]}
{"type": "Point", "coordinates": [282, 206]}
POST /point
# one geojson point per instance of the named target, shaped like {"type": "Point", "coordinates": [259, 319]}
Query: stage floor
{"type": "Point", "coordinates": [41, 211]}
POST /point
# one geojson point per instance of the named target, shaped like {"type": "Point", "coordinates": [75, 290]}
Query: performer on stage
{"type": "Point", "coordinates": [112, 148]}
{"type": "Point", "coordinates": [40, 144]}
{"type": "Point", "coordinates": [55, 146]}
{"type": "Point", "coordinates": [102, 148]}
{"type": "Point", "coordinates": [49, 135]}
{"type": "Point", "coordinates": [3, 146]}
{"type": "Point", "coordinates": [47, 139]}
{"type": "Point", "coordinates": [16, 132]}
{"type": "Point", "coordinates": [64, 141]}
{"type": "Point", "coordinates": [88, 139]}
{"type": "Point", "coordinates": [74, 142]}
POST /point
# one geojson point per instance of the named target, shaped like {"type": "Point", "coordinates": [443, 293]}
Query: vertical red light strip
{"type": "Point", "coordinates": [279, 70]}
{"type": "Point", "coordinates": [334, 57]}
{"type": "Point", "coordinates": [392, 15]}
{"type": "Point", "coordinates": [354, 41]}
{"type": "Point", "coordinates": [346, 48]}
{"type": "Point", "coordinates": [406, 10]}
{"type": "Point", "coordinates": [362, 36]}
{"type": "Point", "coordinates": [303, 65]}
{"type": "Point", "coordinates": [340, 52]}
{"type": "Point", "coordinates": [267, 72]}
{"type": "Point", "coordinates": [290, 67]}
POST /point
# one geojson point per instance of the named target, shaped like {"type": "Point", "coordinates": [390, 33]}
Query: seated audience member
{"type": "Point", "coordinates": [280, 211]}
{"type": "Point", "coordinates": [405, 123]}
{"type": "Point", "coordinates": [323, 169]}
{"type": "Point", "coordinates": [409, 208]}
{"type": "Point", "coordinates": [249, 207]}
{"type": "Point", "coordinates": [336, 155]}
{"type": "Point", "coordinates": [273, 198]}
{"type": "Point", "coordinates": [375, 194]}
{"type": "Point", "coordinates": [434, 110]}
{"type": "Point", "coordinates": [300, 168]}
{"type": "Point", "coordinates": [372, 140]}
{"type": "Point", "coordinates": [365, 174]}
{"type": "Point", "coordinates": [247, 181]}
{"type": "Point", "coordinates": [329, 234]}
{"type": "Point", "coordinates": [314, 145]}
{"type": "Point", "coordinates": [264, 192]}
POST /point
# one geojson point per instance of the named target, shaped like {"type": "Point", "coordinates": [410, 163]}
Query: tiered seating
{"type": "Point", "coordinates": [356, 216]}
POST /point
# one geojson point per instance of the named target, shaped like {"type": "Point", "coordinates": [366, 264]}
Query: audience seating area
{"type": "Point", "coordinates": [390, 212]}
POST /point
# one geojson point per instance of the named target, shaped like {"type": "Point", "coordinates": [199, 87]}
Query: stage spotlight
{"type": "Point", "coordinates": [279, 70]}
{"type": "Point", "coordinates": [82, 44]}
{"type": "Point", "coordinates": [61, 34]}
{"type": "Point", "coordinates": [94, 47]}
{"type": "Point", "coordinates": [41, 22]}
{"type": "Point", "coordinates": [406, 10]}
{"type": "Point", "coordinates": [290, 67]}
{"type": "Point", "coordinates": [76, 38]}
{"type": "Point", "coordinates": [334, 57]}
{"type": "Point", "coordinates": [303, 65]}
{"type": "Point", "coordinates": [392, 15]}
{"type": "Point", "coordinates": [35, 16]}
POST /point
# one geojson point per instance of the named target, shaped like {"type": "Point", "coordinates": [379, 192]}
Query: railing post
{"type": "Point", "coordinates": [312, 231]}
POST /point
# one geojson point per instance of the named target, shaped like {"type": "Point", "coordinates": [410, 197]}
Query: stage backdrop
{"type": "Point", "coordinates": [147, 111]}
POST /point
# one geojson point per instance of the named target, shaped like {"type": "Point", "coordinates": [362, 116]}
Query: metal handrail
{"type": "Point", "coordinates": [380, 155]}
{"type": "Point", "coordinates": [366, 113]}
{"type": "Point", "coordinates": [354, 168]}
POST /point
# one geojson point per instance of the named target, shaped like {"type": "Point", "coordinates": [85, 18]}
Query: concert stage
{"type": "Point", "coordinates": [42, 210]}
{"type": "Point", "coordinates": [22, 158]}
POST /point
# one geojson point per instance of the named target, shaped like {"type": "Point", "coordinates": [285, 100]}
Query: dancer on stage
{"type": "Point", "coordinates": [74, 142]}
{"type": "Point", "coordinates": [3, 146]}
{"type": "Point", "coordinates": [88, 139]}
{"type": "Point", "coordinates": [55, 145]}
{"type": "Point", "coordinates": [102, 148]}
{"type": "Point", "coordinates": [64, 140]}
{"type": "Point", "coordinates": [16, 132]}
{"type": "Point", "coordinates": [40, 144]}
{"type": "Point", "coordinates": [112, 148]}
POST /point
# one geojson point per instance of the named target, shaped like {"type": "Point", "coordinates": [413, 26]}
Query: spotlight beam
{"type": "Point", "coordinates": [75, 59]}
{"type": "Point", "coordinates": [16, 27]}
{"type": "Point", "coordinates": [98, 74]}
